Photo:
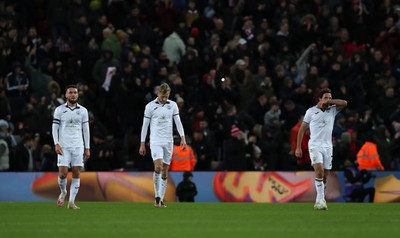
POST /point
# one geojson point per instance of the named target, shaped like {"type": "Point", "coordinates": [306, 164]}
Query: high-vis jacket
{"type": "Point", "coordinates": [182, 160]}
{"type": "Point", "coordinates": [368, 157]}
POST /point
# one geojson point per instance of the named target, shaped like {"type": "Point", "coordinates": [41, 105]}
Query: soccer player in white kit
{"type": "Point", "coordinates": [320, 119]}
{"type": "Point", "coordinates": [72, 143]}
{"type": "Point", "coordinates": [159, 114]}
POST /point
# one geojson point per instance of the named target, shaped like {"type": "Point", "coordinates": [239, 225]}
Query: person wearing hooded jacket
{"type": "Point", "coordinates": [186, 189]}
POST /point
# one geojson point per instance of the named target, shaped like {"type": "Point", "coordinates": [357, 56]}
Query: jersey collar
{"type": "Point", "coordinates": [157, 102]}
{"type": "Point", "coordinates": [76, 107]}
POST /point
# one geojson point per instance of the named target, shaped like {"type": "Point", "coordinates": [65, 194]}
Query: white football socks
{"type": "Point", "coordinates": [163, 188]}
{"type": "Point", "coordinates": [62, 183]}
{"type": "Point", "coordinates": [157, 185]}
{"type": "Point", "coordinates": [73, 191]}
{"type": "Point", "coordinates": [319, 186]}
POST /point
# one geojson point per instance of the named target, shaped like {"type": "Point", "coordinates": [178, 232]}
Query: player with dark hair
{"type": "Point", "coordinates": [320, 119]}
{"type": "Point", "coordinates": [72, 143]}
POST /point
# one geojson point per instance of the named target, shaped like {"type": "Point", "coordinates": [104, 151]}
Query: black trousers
{"type": "Point", "coordinates": [359, 194]}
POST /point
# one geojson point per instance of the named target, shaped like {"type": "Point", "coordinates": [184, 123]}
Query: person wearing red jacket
{"type": "Point", "coordinates": [304, 161]}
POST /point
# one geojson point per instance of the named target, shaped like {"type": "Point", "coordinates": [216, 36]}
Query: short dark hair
{"type": "Point", "coordinates": [70, 86]}
{"type": "Point", "coordinates": [323, 91]}
{"type": "Point", "coordinates": [187, 174]}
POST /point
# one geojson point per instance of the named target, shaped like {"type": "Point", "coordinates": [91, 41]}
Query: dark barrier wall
{"type": "Point", "coordinates": [212, 186]}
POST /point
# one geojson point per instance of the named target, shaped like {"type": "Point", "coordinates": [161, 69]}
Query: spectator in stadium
{"type": "Point", "coordinates": [189, 68]}
{"type": "Point", "coordinates": [186, 189]}
{"type": "Point", "coordinates": [273, 113]}
{"type": "Point", "coordinates": [290, 114]}
{"type": "Point", "coordinates": [102, 64]}
{"type": "Point", "coordinates": [355, 52]}
{"type": "Point", "coordinates": [302, 61]}
{"type": "Point", "coordinates": [174, 47]}
{"type": "Point", "coordinates": [204, 150]}
{"type": "Point", "coordinates": [24, 160]}
{"type": "Point", "coordinates": [320, 119]}
{"type": "Point", "coordinates": [17, 90]}
{"type": "Point", "coordinates": [272, 144]}
{"type": "Point", "coordinates": [228, 91]}
{"type": "Point", "coordinates": [395, 145]}
{"type": "Point", "coordinates": [253, 153]}
{"type": "Point", "coordinates": [48, 159]}
{"type": "Point", "coordinates": [387, 104]}
{"type": "Point", "coordinates": [258, 107]}
{"type": "Point", "coordinates": [159, 114]}
{"type": "Point", "coordinates": [339, 127]}
{"type": "Point", "coordinates": [342, 151]}
{"type": "Point", "coordinates": [40, 78]}
{"type": "Point", "coordinates": [71, 138]}
{"type": "Point", "coordinates": [235, 156]}
{"type": "Point", "coordinates": [303, 162]}
{"type": "Point", "coordinates": [4, 151]}
{"type": "Point", "coordinates": [382, 139]}
{"type": "Point", "coordinates": [5, 107]}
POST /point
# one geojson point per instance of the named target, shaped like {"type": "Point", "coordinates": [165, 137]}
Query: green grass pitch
{"type": "Point", "coordinates": [192, 220]}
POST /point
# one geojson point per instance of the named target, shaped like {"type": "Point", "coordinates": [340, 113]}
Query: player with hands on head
{"type": "Point", "coordinates": [160, 114]}
{"type": "Point", "coordinates": [320, 120]}
{"type": "Point", "coordinates": [71, 138]}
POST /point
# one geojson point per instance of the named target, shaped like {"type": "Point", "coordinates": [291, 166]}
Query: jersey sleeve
{"type": "Point", "coordinates": [56, 125]}
{"type": "Point", "coordinates": [177, 120]}
{"type": "Point", "coordinates": [335, 109]}
{"type": "Point", "coordinates": [85, 129]}
{"type": "Point", "coordinates": [175, 110]}
{"type": "Point", "coordinates": [307, 117]}
{"type": "Point", "coordinates": [146, 122]}
{"type": "Point", "coordinates": [147, 112]}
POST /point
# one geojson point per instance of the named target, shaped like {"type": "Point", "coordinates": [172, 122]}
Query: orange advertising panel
{"type": "Point", "coordinates": [105, 186]}
{"type": "Point", "coordinates": [271, 186]}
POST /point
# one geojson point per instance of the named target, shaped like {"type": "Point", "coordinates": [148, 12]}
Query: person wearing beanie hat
{"type": "Point", "coordinates": [235, 150]}
{"type": "Point", "coordinates": [235, 131]}
{"type": "Point", "coordinates": [194, 32]}
{"type": "Point", "coordinates": [3, 123]}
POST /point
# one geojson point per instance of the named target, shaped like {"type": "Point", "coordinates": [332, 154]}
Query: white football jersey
{"type": "Point", "coordinates": [321, 125]}
{"type": "Point", "coordinates": [161, 120]}
{"type": "Point", "coordinates": [72, 124]}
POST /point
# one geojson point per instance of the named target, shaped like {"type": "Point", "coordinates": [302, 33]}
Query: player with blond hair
{"type": "Point", "coordinates": [160, 114]}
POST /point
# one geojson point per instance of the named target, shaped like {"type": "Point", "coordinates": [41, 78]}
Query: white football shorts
{"type": "Point", "coordinates": [162, 151]}
{"type": "Point", "coordinates": [321, 155]}
{"type": "Point", "coordinates": [71, 156]}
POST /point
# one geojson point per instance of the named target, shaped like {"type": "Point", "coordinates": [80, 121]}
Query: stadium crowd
{"type": "Point", "coordinates": [243, 73]}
